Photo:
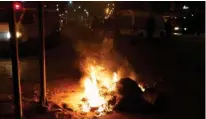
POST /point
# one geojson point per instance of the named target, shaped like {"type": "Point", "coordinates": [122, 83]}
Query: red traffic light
{"type": "Point", "coordinates": [17, 6]}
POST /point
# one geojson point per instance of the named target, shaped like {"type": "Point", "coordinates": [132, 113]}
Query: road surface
{"type": "Point", "coordinates": [180, 63]}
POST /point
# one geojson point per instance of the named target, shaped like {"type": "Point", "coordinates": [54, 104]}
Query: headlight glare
{"type": "Point", "coordinates": [176, 28]}
{"type": "Point", "coordinates": [8, 35]}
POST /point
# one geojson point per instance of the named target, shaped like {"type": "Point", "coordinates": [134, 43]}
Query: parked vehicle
{"type": "Point", "coordinates": [134, 24]}
{"type": "Point", "coordinates": [27, 26]}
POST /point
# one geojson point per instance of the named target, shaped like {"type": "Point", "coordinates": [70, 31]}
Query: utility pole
{"type": "Point", "coordinates": [15, 64]}
{"type": "Point", "coordinates": [42, 59]}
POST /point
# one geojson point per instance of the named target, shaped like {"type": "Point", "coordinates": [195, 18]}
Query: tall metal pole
{"type": "Point", "coordinates": [42, 56]}
{"type": "Point", "coordinates": [15, 64]}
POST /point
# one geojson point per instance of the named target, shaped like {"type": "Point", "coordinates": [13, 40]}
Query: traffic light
{"type": "Point", "coordinates": [17, 6]}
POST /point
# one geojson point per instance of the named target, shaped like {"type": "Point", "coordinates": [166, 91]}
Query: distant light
{"type": "Point", "coordinates": [108, 4]}
{"type": "Point", "coordinates": [107, 10]}
{"type": "Point", "coordinates": [177, 34]}
{"type": "Point", "coordinates": [192, 15]}
{"type": "Point", "coordinates": [17, 6]}
{"type": "Point", "coordinates": [185, 29]}
{"type": "Point", "coordinates": [74, 10]}
{"type": "Point", "coordinates": [18, 34]}
{"type": "Point", "coordinates": [184, 17]}
{"type": "Point", "coordinates": [176, 28]}
{"type": "Point", "coordinates": [8, 35]}
{"type": "Point", "coordinates": [185, 7]}
{"type": "Point", "coordinates": [85, 10]}
{"type": "Point", "coordinates": [79, 7]}
{"type": "Point", "coordinates": [44, 5]}
{"type": "Point", "coordinates": [65, 11]}
{"type": "Point", "coordinates": [57, 5]}
{"type": "Point", "coordinates": [57, 9]}
{"type": "Point", "coordinates": [70, 2]}
{"type": "Point", "coordinates": [175, 17]}
{"type": "Point", "coordinates": [87, 13]}
{"type": "Point", "coordinates": [112, 4]}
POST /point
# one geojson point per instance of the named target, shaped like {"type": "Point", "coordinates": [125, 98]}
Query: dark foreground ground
{"type": "Point", "coordinates": [179, 63]}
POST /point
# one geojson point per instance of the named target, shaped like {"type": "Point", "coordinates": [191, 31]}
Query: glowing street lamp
{"type": "Point", "coordinates": [107, 10]}
{"type": "Point", "coordinates": [87, 13]}
{"type": "Point", "coordinates": [185, 7]}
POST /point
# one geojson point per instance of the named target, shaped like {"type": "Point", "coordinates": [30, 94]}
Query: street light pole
{"type": "Point", "coordinates": [42, 56]}
{"type": "Point", "coordinates": [15, 64]}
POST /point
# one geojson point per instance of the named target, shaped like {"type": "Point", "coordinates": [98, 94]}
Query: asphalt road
{"type": "Point", "coordinates": [179, 62]}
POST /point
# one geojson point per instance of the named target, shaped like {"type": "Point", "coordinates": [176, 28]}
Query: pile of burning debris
{"type": "Point", "coordinates": [101, 97]}
{"type": "Point", "coordinates": [106, 90]}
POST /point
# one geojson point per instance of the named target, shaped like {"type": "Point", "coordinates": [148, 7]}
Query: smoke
{"type": "Point", "coordinates": [104, 54]}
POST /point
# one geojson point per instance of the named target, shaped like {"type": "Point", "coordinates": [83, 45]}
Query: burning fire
{"type": "Point", "coordinates": [99, 90]}
{"type": "Point", "coordinates": [102, 68]}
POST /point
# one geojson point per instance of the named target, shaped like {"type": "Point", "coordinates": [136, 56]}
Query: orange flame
{"type": "Point", "coordinates": [98, 90]}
